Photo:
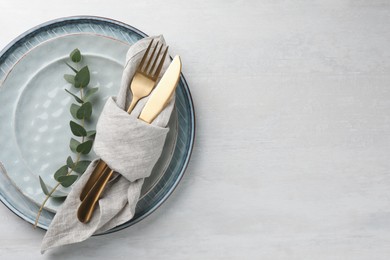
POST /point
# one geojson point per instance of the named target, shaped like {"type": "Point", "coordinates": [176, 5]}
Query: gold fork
{"type": "Point", "coordinates": [141, 86]}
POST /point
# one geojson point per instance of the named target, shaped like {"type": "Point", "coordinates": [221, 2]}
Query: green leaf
{"type": "Point", "coordinates": [69, 78]}
{"type": "Point", "coordinates": [75, 97]}
{"type": "Point", "coordinates": [85, 147]}
{"type": "Point", "coordinates": [69, 162]}
{"type": "Point", "coordinates": [74, 70]}
{"type": "Point", "coordinates": [43, 186]}
{"type": "Point", "coordinates": [73, 110]}
{"type": "Point", "coordinates": [91, 133]}
{"type": "Point", "coordinates": [61, 172]}
{"type": "Point", "coordinates": [90, 92]}
{"type": "Point", "coordinates": [82, 78]}
{"type": "Point", "coordinates": [81, 166]}
{"type": "Point", "coordinates": [77, 129]}
{"type": "Point", "coordinates": [58, 195]}
{"type": "Point", "coordinates": [75, 55]}
{"type": "Point", "coordinates": [85, 111]}
{"type": "Point", "coordinates": [73, 145]}
{"type": "Point", "coordinates": [68, 180]}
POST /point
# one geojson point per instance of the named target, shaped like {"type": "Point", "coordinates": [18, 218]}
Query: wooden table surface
{"type": "Point", "coordinates": [291, 159]}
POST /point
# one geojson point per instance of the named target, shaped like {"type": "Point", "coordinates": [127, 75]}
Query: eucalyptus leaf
{"type": "Point", "coordinates": [43, 186]}
{"type": "Point", "coordinates": [67, 180]}
{"type": "Point", "coordinates": [90, 92]}
{"type": "Point", "coordinates": [73, 110]}
{"type": "Point", "coordinates": [45, 189]}
{"type": "Point", "coordinates": [75, 97]}
{"type": "Point", "coordinates": [73, 145]}
{"type": "Point", "coordinates": [85, 147]}
{"type": "Point", "coordinates": [69, 162]}
{"type": "Point", "coordinates": [74, 70]}
{"type": "Point", "coordinates": [82, 78]}
{"type": "Point", "coordinates": [91, 133]}
{"type": "Point", "coordinates": [85, 111]}
{"type": "Point", "coordinates": [61, 172]}
{"type": "Point", "coordinates": [77, 129]}
{"type": "Point", "coordinates": [81, 166]}
{"type": "Point", "coordinates": [58, 194]}
{"type": "Point", "coordinates": [75, 55]}
{"type": "Point", "coordinates": [69, 78]}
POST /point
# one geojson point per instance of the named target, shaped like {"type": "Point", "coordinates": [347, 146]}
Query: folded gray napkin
{"type": "Point", "coordinates": [129, 146]}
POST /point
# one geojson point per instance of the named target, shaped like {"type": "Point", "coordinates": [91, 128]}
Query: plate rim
{"type": "Point", "coordinates": [89, 18]}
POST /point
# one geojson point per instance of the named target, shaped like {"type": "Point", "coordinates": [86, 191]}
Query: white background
{"type": "Point", "coordinates": [292, 153]}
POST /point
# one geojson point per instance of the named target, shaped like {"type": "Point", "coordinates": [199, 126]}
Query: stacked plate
{"type": "Point", "coordinates": [34, 130]}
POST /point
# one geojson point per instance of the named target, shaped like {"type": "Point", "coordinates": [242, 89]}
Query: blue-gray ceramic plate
{"type": "Point", "coordinates": [34, 116]}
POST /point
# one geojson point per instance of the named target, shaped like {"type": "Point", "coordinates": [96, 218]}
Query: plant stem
{"type": "Point", "coordinates": [53, 190]}
{"type": "Point", "coordinates": [69, 172]}
{"type": "Point", "coordinates": [43, 204]}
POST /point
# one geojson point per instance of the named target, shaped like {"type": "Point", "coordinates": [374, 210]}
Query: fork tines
{"type": "Point", "coordinates": [152, 72]}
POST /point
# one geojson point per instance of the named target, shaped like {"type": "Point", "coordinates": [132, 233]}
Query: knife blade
{"type": "Point", "coordinates": [162, 93]}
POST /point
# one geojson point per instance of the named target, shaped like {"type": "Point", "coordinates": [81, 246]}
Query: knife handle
{"type": "Point", "coordinates": [88, 205]}
{"type": "Point", "coordinates": [97, 172]}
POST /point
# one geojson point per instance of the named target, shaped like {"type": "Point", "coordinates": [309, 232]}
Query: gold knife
{"type": "Point", "coordinates": [158, 100]}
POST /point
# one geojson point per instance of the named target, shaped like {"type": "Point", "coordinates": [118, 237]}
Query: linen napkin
{"type": "Point", "coordinates": [129, 146]}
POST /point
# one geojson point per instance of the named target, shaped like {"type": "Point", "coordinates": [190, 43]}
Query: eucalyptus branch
{"type": "Point", "coordinates": [82, 112]}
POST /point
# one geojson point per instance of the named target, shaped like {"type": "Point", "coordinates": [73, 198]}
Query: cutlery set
{"type": "Point", "coordinates": [142, 85]}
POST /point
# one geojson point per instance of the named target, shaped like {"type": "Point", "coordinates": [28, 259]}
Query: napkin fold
{"type": "Point", "coordinates": [129, 146]}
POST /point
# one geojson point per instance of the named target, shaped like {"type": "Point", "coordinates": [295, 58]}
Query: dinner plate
{"type": "Point", "coordinates": [34, 132]}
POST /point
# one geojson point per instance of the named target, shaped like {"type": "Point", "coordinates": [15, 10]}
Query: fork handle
{"type": "Point", "coordinates": [97, 182]}
{"type": "Point", "coordinates": [102, 166]}
{"type": "Point", "coordinates": [87, 206]}
{"type": "Point", "coordinates": [134, 102]}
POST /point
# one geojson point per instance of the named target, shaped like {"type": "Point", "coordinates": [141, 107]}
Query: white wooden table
{"type": "Point", "coordinates": [292, 153]}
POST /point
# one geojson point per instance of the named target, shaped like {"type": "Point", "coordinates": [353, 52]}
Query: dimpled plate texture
{"type": "Point", "coordinates": [34, 132]}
